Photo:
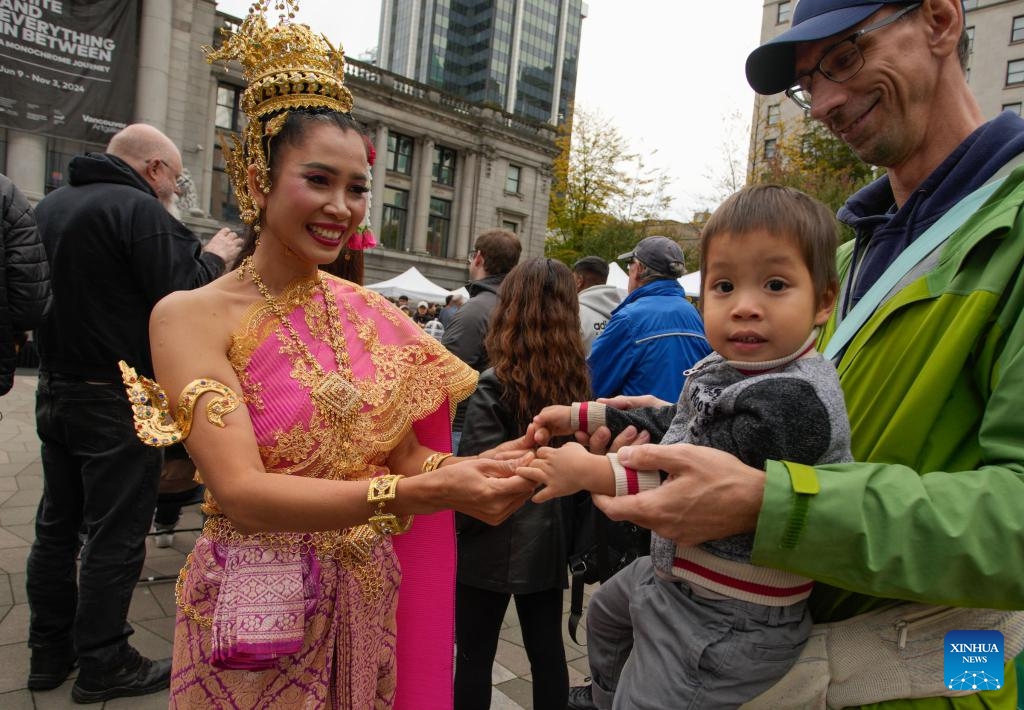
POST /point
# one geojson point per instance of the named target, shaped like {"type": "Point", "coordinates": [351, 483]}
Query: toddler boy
{"type": "Point", "coordinates": [702, 627]}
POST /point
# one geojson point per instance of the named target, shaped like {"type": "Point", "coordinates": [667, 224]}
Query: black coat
{"type": "Point", "coordinates": [24, 276]}
{"type": "Point", "coordinates": [527, 552]}
{"type": "Point", "coordinates": [464, 335]}
{"type": "Point", "coordinates": [114, 251]}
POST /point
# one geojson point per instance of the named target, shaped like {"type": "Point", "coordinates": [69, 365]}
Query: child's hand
{"type": "Point", "coordinates": [567, 470]}
{"type": "Point", "coordinates": [511, 449]}
{"type": "Point", "coordinates": [552, 421]}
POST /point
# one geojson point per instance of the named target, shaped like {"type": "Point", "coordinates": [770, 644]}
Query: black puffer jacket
{"type": "Point", "coordinates": [24, 277]}
{"type": "Point", "coordinates": [527, 552]}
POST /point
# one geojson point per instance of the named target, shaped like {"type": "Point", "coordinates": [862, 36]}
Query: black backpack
{"type": "Point", "coordinates": [598, 548]}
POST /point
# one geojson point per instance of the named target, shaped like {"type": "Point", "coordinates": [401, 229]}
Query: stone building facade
{"type": "Point", "coordinates": [446, 169]}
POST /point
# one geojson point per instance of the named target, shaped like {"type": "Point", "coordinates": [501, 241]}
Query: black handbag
{"type": "Point", "coordinates": [598, 548]}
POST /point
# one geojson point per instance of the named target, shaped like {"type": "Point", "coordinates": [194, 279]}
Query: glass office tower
{"type": "Point", "coordinates": [516, 55]}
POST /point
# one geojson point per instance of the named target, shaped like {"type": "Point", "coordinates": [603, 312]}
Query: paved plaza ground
{"type": "Point", "coordinates": [152, 609]}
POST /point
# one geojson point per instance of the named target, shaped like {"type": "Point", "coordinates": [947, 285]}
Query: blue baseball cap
{"type": "Point", "coordinates": [771, 67]}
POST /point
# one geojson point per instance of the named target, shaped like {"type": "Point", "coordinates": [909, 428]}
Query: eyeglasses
{"type": "Point", "coordinates": [180, 181]}
{"type": "Point", "coordinates": [841, 61]}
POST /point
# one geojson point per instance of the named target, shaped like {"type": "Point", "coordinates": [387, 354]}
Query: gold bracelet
{"type": "Point", "coordinates": [434, 461]}
{"type": "Point", "coordinates": [383, 489]}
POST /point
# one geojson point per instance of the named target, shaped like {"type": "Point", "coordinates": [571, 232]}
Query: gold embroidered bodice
{"type": "Point", "coordinates": [400, 373]}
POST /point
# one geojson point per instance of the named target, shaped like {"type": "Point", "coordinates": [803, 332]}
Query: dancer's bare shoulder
{"type": "Point", "coordinates": [205, 316]}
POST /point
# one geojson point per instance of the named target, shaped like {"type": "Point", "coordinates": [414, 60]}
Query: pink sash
{"type": "Point", "coordinates": [426, 602]}
{"type": "Point", "coordinates": [422, 380]}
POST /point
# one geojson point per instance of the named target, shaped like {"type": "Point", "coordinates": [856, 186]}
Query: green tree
{"type": "Point", "coordinates": [645, 194]}
{"type": "Point", "coordinates": [808, 157]}
{"type": "Point", "coordinates": [601, 191]}
{"type": "Point", "coordinates": [730, 174]}
{"type": "Point", "coordinates": [616, 236]}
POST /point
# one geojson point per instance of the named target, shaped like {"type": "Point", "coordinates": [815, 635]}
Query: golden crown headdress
{"type": "Point", "coordinates": [287, 67]}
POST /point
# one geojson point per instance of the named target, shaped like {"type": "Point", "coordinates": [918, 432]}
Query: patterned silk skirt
{"type": "Point", "coordinates": [347, 656]}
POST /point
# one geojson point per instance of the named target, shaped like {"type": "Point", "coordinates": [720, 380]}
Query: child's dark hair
{"type": "Point", "coordinates": [783, 212]}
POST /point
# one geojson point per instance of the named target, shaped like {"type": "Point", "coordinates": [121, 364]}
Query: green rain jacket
{"type": "Point", "coordinates": [934, 386]}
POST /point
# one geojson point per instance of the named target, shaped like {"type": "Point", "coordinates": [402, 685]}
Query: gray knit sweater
{"type": "Point", "coordinates": [793, 411]}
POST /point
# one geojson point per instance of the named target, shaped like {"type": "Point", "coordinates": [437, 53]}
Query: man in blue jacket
{"type": "Point", "coordinates": [655, 334]}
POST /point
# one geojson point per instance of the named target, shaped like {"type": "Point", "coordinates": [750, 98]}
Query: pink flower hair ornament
{"type": "Point", "coordinates": [363, 237]}
{"type": "Point", "coordinates": [371, 153]}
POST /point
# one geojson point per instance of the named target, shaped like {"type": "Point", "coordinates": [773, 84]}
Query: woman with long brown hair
{"type": "Point", "coordinates": [537, 359]}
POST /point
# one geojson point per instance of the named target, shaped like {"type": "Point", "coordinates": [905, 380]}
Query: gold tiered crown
{"type": "Point", "coordinates": [287, 67]}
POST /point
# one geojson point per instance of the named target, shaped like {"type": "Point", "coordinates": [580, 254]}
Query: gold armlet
{"type": "Point", "coordinates": [434, 461]}
{"type": "Point", "coordinates": [383, 489]}
{"type": "Point", "coordinates": [154, 424]}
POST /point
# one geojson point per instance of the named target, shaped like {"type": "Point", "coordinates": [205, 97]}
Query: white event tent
{"type": "Point", "coordinates": [691, 284]}
{"type": "Point", "coordinates": [413, 284]}
{"type": "Point", "coordinates": [618, 278]}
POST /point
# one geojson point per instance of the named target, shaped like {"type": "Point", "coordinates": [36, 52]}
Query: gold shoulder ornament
{"type": "Point", "coordinates": [154, 424]}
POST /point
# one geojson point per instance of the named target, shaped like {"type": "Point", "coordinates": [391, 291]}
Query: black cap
{"type": "Point", "coordinates": [659, 254]}
{"type": "Point", "coordinates": [592, 265]}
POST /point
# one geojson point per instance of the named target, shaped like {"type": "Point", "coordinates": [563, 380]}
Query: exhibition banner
{"type": "Point", "coordinates": [67, 67]}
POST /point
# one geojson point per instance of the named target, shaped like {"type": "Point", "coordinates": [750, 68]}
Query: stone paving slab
{"type": "Point", "coordinates": [152, 608]}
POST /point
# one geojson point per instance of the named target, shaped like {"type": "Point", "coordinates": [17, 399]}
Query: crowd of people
{"type": "Point", "coordinates": [433, 317]}
{"type": "Point", "coordinates": [829, 442]}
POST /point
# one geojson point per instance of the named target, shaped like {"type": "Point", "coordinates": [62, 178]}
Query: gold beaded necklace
{"type": "Point", "coordinates": [334, 396]}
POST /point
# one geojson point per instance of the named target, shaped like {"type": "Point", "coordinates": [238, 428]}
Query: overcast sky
{"type": "Point", "coordinates": [668, 73]}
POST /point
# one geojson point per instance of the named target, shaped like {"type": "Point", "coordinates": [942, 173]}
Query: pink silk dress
{"type": "Point", "coordinates": [315, 620]}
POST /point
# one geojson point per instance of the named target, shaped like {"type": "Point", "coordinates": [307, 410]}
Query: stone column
{"type": "Point", "coordinates": [206, 150]}
{"type": "Point", "coordinates": [152, 86]}
{"type": "Point", "coordinates": [380, 172]}
{"type": "Point", "coordinates": [421, 195]}
{"type": "Point", "coordinates": [26, 163]}
{"type": "Point", "coordinates": [470, 162]}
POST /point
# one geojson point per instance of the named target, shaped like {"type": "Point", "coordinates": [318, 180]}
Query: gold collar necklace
{"type": "Point", "coordinates": [333, 395]}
